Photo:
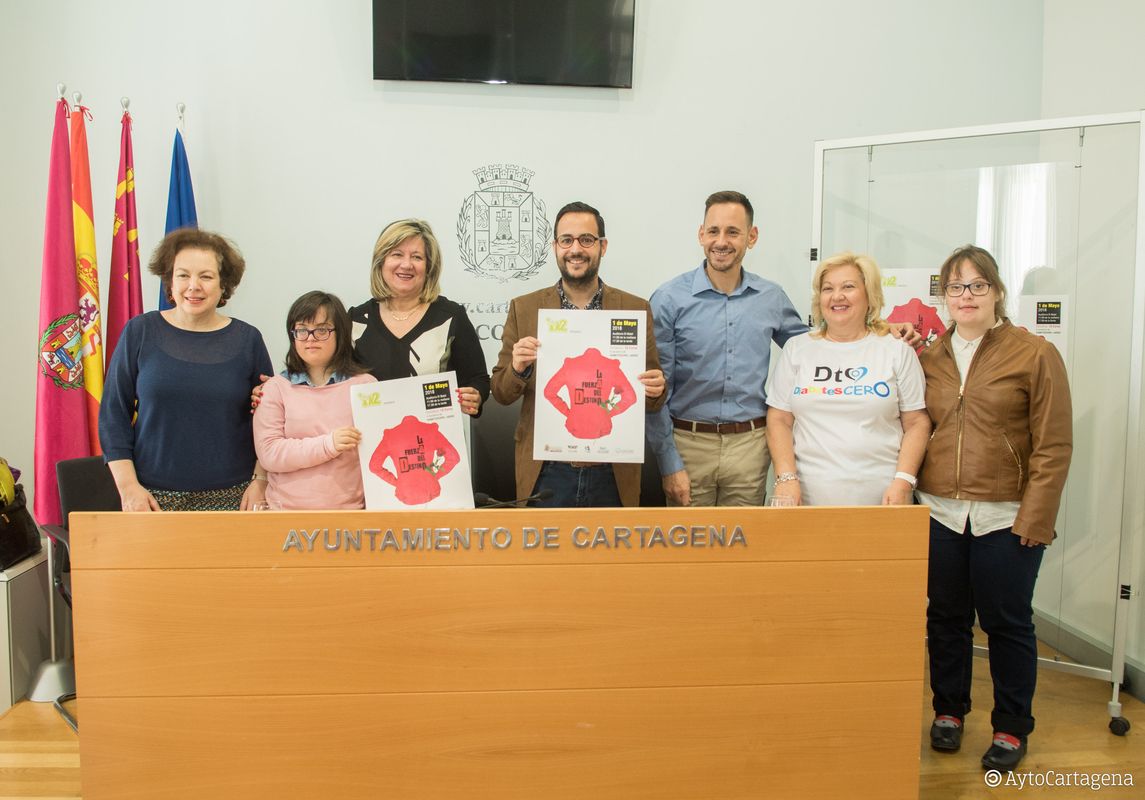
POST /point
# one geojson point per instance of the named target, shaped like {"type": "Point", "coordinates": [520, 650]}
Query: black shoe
{"type": "Point", "coordinates": [943, 738]}
{"type": "Point", "coordinates": [1004, 759]}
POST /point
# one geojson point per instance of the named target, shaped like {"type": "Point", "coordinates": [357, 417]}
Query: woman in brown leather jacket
{"type": "Point", "coordinates": [993, 475]}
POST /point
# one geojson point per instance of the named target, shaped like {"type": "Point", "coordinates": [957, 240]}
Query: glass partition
{"type": "Point", "coordinates": [1058, 209]}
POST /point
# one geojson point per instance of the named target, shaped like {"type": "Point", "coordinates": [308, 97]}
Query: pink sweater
{"type": "Point", "coordinates": [292, 428]}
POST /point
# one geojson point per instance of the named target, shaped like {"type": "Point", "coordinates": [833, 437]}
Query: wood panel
{"type": "Point", "coordinates": [143, 632]}
{"type": "Point", "coordinates": [683, 668]}
{"type": "Point", "coordinates": [189, 540]}
{"type": "Point", "coordinates": [1071, 736]}
{"type": "Point", "coordinates": [714, 742]}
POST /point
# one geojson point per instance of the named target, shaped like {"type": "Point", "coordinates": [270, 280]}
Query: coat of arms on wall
{"type": "Point", "coordinates": [502, 230]}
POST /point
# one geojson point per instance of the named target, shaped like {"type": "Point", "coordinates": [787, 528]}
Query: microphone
{"type": "Point", "coordinates": [482, 500]}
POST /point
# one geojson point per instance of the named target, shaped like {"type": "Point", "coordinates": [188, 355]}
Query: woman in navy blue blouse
{"type": "Point", "coordinates": [174, 422]}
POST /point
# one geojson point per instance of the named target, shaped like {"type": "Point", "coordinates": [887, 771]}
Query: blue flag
{"type": "Point", "coordinates": [180, 200]}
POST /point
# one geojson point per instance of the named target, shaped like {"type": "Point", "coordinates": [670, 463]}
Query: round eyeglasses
{"type": "Point", "coordinates": [977, 288]}
{"type": "Point", "coordinates": [319, 334]}
{"type": "Point", "coordinates": [586, 240]}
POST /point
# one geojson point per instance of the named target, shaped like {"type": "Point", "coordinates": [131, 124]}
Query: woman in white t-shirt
{"type": "Point", "coordinates": [847, 422]}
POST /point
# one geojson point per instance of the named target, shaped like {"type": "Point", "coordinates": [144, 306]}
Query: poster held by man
{"type": "Point", "coordinates": [588, 368]}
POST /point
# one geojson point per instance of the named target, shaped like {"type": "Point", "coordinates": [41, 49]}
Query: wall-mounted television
{"type": "Point", "coordinates": [548, 42]}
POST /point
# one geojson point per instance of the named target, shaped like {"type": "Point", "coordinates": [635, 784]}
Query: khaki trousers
{"type": "Point", "coordinates": [725, 469]}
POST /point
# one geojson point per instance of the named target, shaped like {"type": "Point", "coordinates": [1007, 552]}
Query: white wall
{"type": "Point", "coordinates": [1094, 64]}
{"type": "Point", "coordinates": [1093, 61]}
{"type": "Point", "coordinates": [301, 158]}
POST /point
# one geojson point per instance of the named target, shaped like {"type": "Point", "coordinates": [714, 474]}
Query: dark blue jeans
{"type": "Point", "coordinates": [994, 576]}
{"type": "Point", "coordinates": [577, 487]}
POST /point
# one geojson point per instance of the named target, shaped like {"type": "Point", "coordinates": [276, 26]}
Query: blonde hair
{"type": "Point", "coordinates": [395, 234]}
{"type": "Point", "coordinates": [872, 283]}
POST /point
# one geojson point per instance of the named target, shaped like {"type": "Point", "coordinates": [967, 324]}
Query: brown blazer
{"type": "Point", "coordinates": [508, 386]}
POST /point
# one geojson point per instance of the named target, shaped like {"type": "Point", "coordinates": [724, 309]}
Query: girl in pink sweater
{"type": "Point", "coordinates": [303, 429]}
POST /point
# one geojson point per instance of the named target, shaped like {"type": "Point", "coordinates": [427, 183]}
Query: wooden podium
{"type": "Point", "coordinates": [639, 653]}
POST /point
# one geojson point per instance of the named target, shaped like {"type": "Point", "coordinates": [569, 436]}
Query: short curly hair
{"type": "Point", "coordinates": [231, 263]}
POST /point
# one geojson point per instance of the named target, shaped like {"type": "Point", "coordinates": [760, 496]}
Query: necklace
{"type": "Point", "coordinates": [402, 317]}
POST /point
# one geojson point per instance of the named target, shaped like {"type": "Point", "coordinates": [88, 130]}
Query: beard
{"type": "Point", "coordinates": [729, 262]}
{"type": "Point", "coordinates": [580, 281]}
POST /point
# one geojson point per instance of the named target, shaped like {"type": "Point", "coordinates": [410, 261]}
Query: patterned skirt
{"type": "Point", "coordinates": [207, 500]}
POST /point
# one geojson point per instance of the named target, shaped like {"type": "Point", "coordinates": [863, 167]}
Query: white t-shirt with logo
{"type": "Point", "coordinates": [847, 398]}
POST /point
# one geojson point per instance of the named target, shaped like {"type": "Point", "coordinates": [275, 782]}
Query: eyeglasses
{"type": "Point", "coordinates": [319, 334]}
{"type": "Point", "coordinates": [978, 288]}
{"type": "Point", "coordinates": [586, 240]}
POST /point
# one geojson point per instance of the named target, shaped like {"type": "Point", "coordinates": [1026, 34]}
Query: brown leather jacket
{"type": "Point", "coordinates": [1006, 435]}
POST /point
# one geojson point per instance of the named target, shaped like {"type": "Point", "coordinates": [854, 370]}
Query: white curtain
{"type": "Point", "coordinates": [1016, 208]}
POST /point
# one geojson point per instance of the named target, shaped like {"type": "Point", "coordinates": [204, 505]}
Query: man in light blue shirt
{"type": "Point", "coordinates": [714, 329]}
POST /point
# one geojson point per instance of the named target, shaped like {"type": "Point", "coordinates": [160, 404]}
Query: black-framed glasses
{"type": "Point", "coordinates": [319, 334]}
{"type": "Point", "coordinates": [586, 240]}
{"type": "Point", "coordinates": [977, 288]}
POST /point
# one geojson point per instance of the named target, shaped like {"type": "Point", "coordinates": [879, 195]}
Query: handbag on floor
{"type": "Point", "coordinates": [19, 536]}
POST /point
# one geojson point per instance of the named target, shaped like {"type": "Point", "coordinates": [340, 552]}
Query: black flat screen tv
{"type": "Point", "coordinates": [547, 42]}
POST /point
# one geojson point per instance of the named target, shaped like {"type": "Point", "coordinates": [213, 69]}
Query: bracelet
{"type": "Point", "coordinates": [784, 477]}
{"type": "Point", "coordinates": [257, 477]}
{"type": "Point", "coordinates": [906, 476]}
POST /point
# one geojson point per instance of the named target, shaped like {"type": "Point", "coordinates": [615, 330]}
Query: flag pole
{"type": "Point", "coordinates": [54, 677]}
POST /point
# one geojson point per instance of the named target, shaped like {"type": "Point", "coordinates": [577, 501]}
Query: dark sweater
{"type": "Point", "coordinates": [193, 388]}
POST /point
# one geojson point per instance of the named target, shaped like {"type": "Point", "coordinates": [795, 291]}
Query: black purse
{"type": "Point", "coordinates": [19, 536]}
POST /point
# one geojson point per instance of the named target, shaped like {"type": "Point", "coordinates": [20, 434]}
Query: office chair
{"type": "Point", "coordinates": [85, 484]}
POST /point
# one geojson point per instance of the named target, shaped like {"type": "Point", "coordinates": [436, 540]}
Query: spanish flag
{"type": "Point", "coordinates": [124, 294]}
{"type": "Point", "coordinates": [61, 400]}
{"type": "Point", "coordinates": [87, 277]}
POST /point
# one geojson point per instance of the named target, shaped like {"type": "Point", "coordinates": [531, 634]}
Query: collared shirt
{"type": "Point", "coordinates": [985, 517]}
{"type": "Point", "coordinates": [595, 304]}
{"type": "Point", "coordinates": [299, 378]}
{"type": "Point", "coordinates": [715, 350]}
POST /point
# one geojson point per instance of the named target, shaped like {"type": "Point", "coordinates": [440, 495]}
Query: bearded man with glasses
{"type": "Point", "coordinates": [579, 245]}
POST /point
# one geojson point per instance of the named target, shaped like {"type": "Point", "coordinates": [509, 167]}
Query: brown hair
{"type": "Point", "coordinates": [986, 266]}
{"type": "Point", "coordinates": [231, 263]}
{"type": "Point", "coordinates": [394, 234]}
{"type": "Point", "coordinates": [872, 283]}
{"type": "Point", "coordinates": [577, 207]}
{"type": "Point", "coordinates": [306, 308]}
{"type": "Point", "coordinates": [730, 196]}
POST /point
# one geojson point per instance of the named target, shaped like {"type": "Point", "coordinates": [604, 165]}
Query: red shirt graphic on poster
{"type": "Point", "coordinates": [421, 456]}
{"type": "Point", "coordinates": [923, 317]}
{"type": "Point", "coordinates": [597, 389]}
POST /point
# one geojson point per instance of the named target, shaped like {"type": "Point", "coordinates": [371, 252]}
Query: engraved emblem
{"type": "Point", "coordinates": [502, 230]}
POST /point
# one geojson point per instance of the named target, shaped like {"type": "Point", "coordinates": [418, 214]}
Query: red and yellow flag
{"type": "Point", "coordinates": [87, 276]}
{"type": "Point", "coordinates": [61, 400]}
{"type": "Point", "coordinates": [124, 294]}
